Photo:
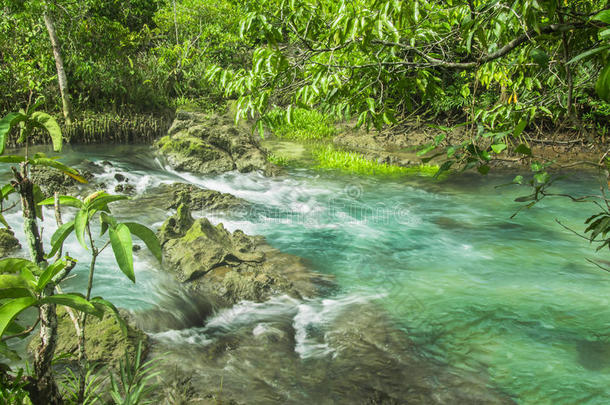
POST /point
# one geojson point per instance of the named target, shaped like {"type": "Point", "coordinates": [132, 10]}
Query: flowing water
{"type": "Point", "coordinates": [441, 263]}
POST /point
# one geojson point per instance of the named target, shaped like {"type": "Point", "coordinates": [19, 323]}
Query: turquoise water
{"type": "Point", "coordinates": [511, 298]}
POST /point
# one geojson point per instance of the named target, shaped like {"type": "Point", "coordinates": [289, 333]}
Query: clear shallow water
{"type": "Point", "coordinates": [514, 299]}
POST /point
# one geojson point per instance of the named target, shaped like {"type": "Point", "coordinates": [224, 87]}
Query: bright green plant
{"type": "Point", "coordinates": [352, 162]}
{"type": "Point", "coordinates": [133, 384]}
{"type": "Point", "coordinates": [32, 284]}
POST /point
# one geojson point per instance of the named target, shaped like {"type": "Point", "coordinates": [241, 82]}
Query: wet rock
{"type": "Point", "coordinates": [105, 342]}
{"type": "Point", "coordinates": [203, 143]}
{"type": "Point", "coordinates": [51, 180]}
{"type": "Point", "coordinates": [369, 360]}
{"type": "Point", "coordinates": [8, 242]}
{"type": "Point", "coordinates": [200, 199]}
{"type": "Point", "coordinates": [230, 267]}
{"type": "Point", "coordinates": [125, 188]}
{"type": "Point", "coordinates": [119, 177]}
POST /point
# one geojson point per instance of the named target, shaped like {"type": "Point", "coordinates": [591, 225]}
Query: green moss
{"type": "Point", "coordinates": [352, 162]}
{"type": "Point", "coordinates": [305, 125]}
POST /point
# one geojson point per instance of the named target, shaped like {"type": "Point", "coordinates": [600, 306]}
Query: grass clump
{"type": "Point", "coordinates": [277, 160]}
{"type": "Point", "coordinates": [352, 162]}
{"type": "Point", "coordinates": [305, 125]}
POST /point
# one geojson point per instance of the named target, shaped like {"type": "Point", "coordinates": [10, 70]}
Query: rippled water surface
{"type": "Point", "coordinates": [514, 299]}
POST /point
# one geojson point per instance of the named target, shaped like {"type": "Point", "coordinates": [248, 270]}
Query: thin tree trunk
{"type": "Point", "coordinates": [42, 389]}
{"type": "Point", "coordinates": [59, 64]}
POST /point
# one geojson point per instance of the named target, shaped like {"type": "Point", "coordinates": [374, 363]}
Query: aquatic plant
{"type": "Point", "coordinates": [329, 157]}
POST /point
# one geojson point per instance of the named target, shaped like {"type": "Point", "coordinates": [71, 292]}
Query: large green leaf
{"type": "Point", "coordinates": [12, 159]}
{"type": "Point", "coordinates": [6, 124]}
{"type": "Point", "coordinates": [50, 272]}
{"type": "Point", "coordinates": [59, 236]}
{"type": "Point", "coordinates": [49, 162]}
{"type": "Point", "coordinates": [44, 120]}
{"type": "Point", "coordinates": [148, 237]}
{"type": "Point", "coordinates": [63, 200]}
{"type": "Point", "coordinates": [15, 292]}
{"type": "Point", "coordinates": [100, 303]}
{"type": "Point", "coordinates": [72, 300]}
{"type": "Point", "coordinates": [603, 16]}
{"type": "Point", "coordinates": [80, 224]}
{"type": "Point", "coordinates": [120, 240]}
{"type": "Point", "coordinates": [11, 309]}
{"type": "Point", "coordinates": [603, 84]}
{"type": "Point", "coordinates": [101, 202]}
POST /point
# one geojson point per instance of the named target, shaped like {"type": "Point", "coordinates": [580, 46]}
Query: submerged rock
{"type": "Point", "coordinates": [355, 354]}
{"type": "Point", "coordinates": [105, 342]}
{"type": "Point", "coordinates": [8, 242]}
{"type": "Point", "coordinates": [230, 267]}
{"type": "Point", "coordinates": [203, 143]}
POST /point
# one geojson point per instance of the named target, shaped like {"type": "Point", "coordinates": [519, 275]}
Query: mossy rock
{"type": "Point", "coordinates": [208, 143]}
{"type": "Point", "coordinates": [51, 180]}
{"type": "Point", "coordinates": [228, 267]}
{"type": "Point", "coordinates": [8, 242]}
{"type": "Point", "coordinates": [105, 342]}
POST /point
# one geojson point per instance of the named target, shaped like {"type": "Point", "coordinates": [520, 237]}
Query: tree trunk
{"type": "Point", "coordinates": [42, 389]}
{"type": "Point", "coordinates": [59, 64]}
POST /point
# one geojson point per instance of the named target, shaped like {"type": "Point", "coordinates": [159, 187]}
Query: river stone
{"type": "Point", "coordinates": [105, 342]}
{"type": "Point", "coordinates": [51, 180]}
{"type": "Point", "coordinates": [230, 267]}
{"type": "Point", "coordinates": [197, 198]}
{"type": "Point", "coordinates": [8, 242]}
{"type": "Point", "coordinates": [207, 143]}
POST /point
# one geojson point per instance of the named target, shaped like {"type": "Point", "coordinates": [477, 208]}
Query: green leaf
{"type": "Point", "coordinates": [80, 224]}
{"type": "Point", "coordinates": [520, 127]}
{"type": "Point", "coordinates": [588, 53]}
{"type": "Point", "coordinates": [523, 149]}
{"type": "Point", "coordinates": [44, 120]}
{"type": "Point", "coordinates": [11, 309]}
{"type": "Point", "coordinates": [602, 87]}
{"type": "Point", "coordinates": [101, 202]}
{"type": "Point", "coordinates": [148, 237]}
{"type": "Point", "coordinates": [50, 272]}
{"type": "Point", "coordinates": [542, 177]}
{"type": "Point", "coordinates": [6, 123]}
{"type": "Point", "coordinates": [120, 240]}
{"type": "Point", "coordinates": [518, 179]}
{"type": "Point", "coordinates": [48, 162]}
{"type": "Point", "coordinates": [100, 303]}
{"type": "Point", "coordinates": [72, 300]}
{"type": "Point", "coordinates": [15, 292]}
{"type": "Point", "coordinates": [59, 236]}
{"type": "Point", "coordinates": [63, 200]}
{"type": "Point", "coordinates": [12, 159]}
{"type": "Point", "coordinates": [603, 16]}
{"type": "Point", "coordinates": [499, 147]}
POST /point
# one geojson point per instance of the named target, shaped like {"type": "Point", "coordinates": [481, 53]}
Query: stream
{"type": "Point", "coordinates": [434, 285]}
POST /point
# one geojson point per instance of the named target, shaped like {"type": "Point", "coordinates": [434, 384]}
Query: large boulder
{"type": "Point", "coordinates": [203, 143]}
{"type": "Point", "coordinates": [230, 267]}
{"type": "Point", "coordinates": [8, 242]}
